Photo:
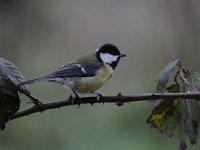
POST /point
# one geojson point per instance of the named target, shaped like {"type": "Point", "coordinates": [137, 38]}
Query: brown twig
{"type": "Point", "coordinates": [106, 99]}
{"type": "Point", "coordinates": [27, 93]}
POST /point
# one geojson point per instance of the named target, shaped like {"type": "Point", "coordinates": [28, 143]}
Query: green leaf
{"type": "Point", "coordinates": [10, 77]}
{"type": "Point", "coordinates": [190, 119]}
{"type": "Point", "coordinates": [193, 106]}
{"type": "Point", "coordinates": [196, 80]}
{"type": "Point", "coordinates": [9, 100]}
{"type": "Point", "coordinates": [186, 124]}
{"type": "Point", "coordinates": [165, 75]}
{"type": "Point", "coordinates": [9, 71]}
{"type": "Point", "coordinates": [163, 78]}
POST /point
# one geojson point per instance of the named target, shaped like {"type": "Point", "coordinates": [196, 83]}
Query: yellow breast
{"type": "Point", "coordinates": [91, 84]}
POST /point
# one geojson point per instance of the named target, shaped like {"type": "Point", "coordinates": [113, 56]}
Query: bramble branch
{"type": "Point", "coordinates": [118, 100]}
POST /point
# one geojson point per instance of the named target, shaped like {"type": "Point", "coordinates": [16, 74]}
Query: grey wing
{"type": "Point", "coordinates": [76, 70]}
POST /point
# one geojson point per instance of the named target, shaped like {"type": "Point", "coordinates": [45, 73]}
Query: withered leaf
{"type": "Point", "coordinates": [164, 115]}
{"type": "Point", "coordinates": [174, 88]}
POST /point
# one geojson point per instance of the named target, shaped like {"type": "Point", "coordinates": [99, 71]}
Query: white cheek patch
{"type": "Point", "coordinates": [108, 58]}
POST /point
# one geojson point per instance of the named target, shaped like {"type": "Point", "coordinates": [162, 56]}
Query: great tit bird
{"type": "Point", "coordinates": [86, 74]}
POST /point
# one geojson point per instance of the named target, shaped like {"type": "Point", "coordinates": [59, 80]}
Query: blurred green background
{"type": "Point", "coordinates": [40, 35]}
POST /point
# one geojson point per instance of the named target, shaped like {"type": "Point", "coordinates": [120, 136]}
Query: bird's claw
{"type": "Point", "coordinates": [99, 96]}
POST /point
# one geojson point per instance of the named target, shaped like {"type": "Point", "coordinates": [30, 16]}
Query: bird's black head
{"type": "Point", "coordinates": [109, 54]}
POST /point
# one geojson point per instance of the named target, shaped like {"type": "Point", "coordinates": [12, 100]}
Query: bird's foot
{"type": "Point", "coordinates": [99, 96]}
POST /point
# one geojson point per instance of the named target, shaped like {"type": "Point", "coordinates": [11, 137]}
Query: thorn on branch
{"type": "Point", "coordinates": [120, 102]}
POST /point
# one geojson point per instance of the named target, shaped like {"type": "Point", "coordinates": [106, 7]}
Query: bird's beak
{"type": "Point", "coordinates": [122, 55]}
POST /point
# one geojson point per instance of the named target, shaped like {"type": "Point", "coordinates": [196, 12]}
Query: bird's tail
{"type": "Point", "coordinates": [46, 78]}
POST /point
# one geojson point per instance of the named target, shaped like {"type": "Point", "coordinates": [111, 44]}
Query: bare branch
{"type": "Point", "coordinates": [119, 99]}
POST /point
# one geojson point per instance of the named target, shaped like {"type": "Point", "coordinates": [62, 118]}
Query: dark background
{"type": "Point", "coordinates": [40, 35]}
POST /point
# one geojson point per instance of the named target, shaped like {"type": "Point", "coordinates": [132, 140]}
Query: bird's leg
{"type": "Point", "coordinates": [76, 98]}
{"type": "Point", "coordinates": [99, 96]}
{"type": "Point", "coordinates": [76, 95]}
